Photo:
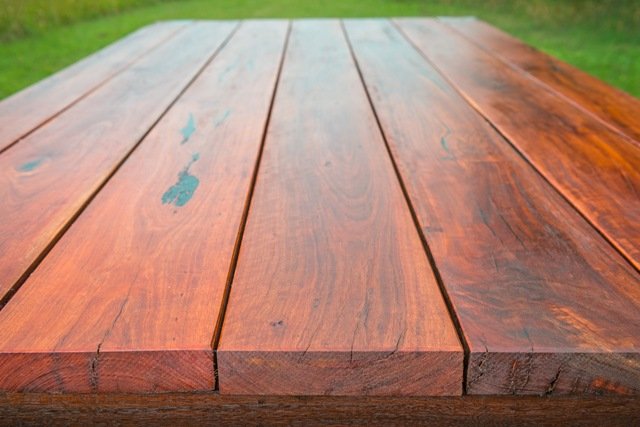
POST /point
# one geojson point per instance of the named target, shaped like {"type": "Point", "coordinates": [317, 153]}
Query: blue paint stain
{"type": "Point", "coordinates": [443, 142]}
{"type": "Point", "coordinates": [189, 129]}
{"type": "Point", "coordinates": [182, 191]}
{"type": "Point", "coordinates": [220, 119]}
{"type": "Point", "coordinates": [31, 165]}
{"type": "Point", "coordinates": [445, 145]}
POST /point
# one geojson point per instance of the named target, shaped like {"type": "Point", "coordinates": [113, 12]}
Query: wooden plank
{"type": "Point", "coordinates": [613, 106]}
{"type": "Point", "coordinates": [333, 293]}
{"type": "Point", "coordinates": [28, 109]}
{"type": "Point", "coordinates": [545, 304]}
{"type": "Point", "coordinates": [129, 297]}
{"type": "Point", "coordinates": [591, 165]}
{"type": "Point", "coordinates": [212, 408]}
{"type": "Point", "coordinates": [46, 180]}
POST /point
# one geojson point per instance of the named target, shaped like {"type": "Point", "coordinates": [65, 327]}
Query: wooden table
{"type": "Point", "coordinates": [248, 216]}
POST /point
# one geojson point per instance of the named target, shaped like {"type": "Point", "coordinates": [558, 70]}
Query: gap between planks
{"type": "Point", "coordinates": [239, 358]}
{"type": "Point", "coordinates": [188, 101]}
{"type": "Point", "coordinates": [625, 134]}
{"type": "Point", "coordinates": [57, 113]}
{"type": "Point", "coordinates": [16, 287]}
{"type": "Point", "coordinates": [530, 162]}
{"type": "Point", "coordinates": [452, 313]}
{"type": "Point", "coordinates": [431, 177]}
{"type": "Point", "coordinates": [243, 221]}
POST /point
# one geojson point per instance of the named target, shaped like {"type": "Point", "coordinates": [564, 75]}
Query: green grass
{"type": "Point", "coordinates": [600, 37]}
{"type": "Point", "coordinates": [24, 17]}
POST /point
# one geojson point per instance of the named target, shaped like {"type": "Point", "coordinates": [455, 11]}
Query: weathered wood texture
{"type": "Point", "coordinates": [47, 179]}
{"type": "Point", "coordinates": [545, 304]}
{"type": "Point", "coordinates": [134, 308]}
{"type": "Point", "coordinates": [593, 166]}
{"type": "Point", "coordinates": [613, 106]}
{"type": "Point", "coordinates": [212, 408]}
{"type": "Point", "coordinates": [333, 293]}
{"type": "Point", "coordinates": [23, 112]}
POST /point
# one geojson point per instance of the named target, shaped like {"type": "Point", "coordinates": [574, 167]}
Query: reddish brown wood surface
{"type": "Point", "coordinates": [47, 179]}
{"type": "Point", "coordinates": [416, 187]}
{"type": "Point", "coordinates": [593, 166]}
{"type": "Point", "coordinates": [30, 108]}
{"type": "Point", "coordinates": [545, 304]}
{"type": "Point", "coordinates": [333, 293]}
{"type": "Point", "coordinates": [613, 106]}
{"type": "Point", "coordinates": [215, 409]}
{"type": "Point", "coordinates": [134, 307]}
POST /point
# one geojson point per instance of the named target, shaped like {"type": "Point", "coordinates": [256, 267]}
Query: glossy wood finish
{"type": "Point", "coordinates": [369, 207]}
{"type": "Point", "coordinates": [145, 316]}
{"type": "Point", "coordinates": [333, 293]}
{"type": "Point", "coordinates": [520, 266]}
{"type": "Point", "coordinates": [593, 166]}
{"type": "Point", "coordinates": [613, 106]}
{"type": "Point", "coordinates": [25, 111]}
{"type": "Point", "coordinates": [213, 408]}
{"type": "Point", "coordinates": [47, 179]}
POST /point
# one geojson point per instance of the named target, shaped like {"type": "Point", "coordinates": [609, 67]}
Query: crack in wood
{"type": "Point", "coordinates": [553, 383]}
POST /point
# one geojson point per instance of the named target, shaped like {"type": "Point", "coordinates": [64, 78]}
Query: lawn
{"type": "Point", "coordinates": [40, 37]}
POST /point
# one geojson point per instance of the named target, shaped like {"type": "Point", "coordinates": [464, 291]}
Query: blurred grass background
{"type": "Point", "coordinates": [39, 37]}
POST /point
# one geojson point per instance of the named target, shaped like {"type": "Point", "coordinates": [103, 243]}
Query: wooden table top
{"type": "Point", "coordinates": [394, 207]}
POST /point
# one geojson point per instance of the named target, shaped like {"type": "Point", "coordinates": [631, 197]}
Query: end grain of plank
{"type": "Point", "coordinates": [593, 166]}
{"type": "Point", "coordinates": [613, 106]}
{"type": "Point", "coordinates": [129, 297]}
{"type": "Point", "coordinates": [28, 109]}
{"type": "Point", "coordinates": [48, 178]}
{"type": "Point", "coordinates": [333, 293]}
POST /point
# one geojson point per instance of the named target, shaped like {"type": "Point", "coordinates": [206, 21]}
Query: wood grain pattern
{"type": "Point", "coordinates": [612, 105]}
{"type": "Point", "coordinates": [123, 217]}
{"type": "Point", "coordinates": [46, 180]}
{"type": "Point", "coordinates": [333, 293]}
{"type": "Point", "coordinates": [26, 110]}
{"type": "Point", "coordinates": [546, 305]}
{"type": "Point", "coordinates": [213, 408]}
{"type": "Point", "coordinates": [134, 308]}
{"type": "Point", "coordinates": [593, 166]}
